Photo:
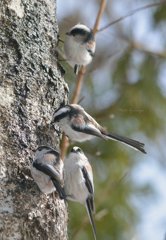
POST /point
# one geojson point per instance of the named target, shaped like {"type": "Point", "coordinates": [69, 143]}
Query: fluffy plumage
{"type": "Point", "coordinates": [47, 170]}
{"type": "Point", "coordinates": [79, 46]}
{"type": "Point", "coordinates": [78, 179]}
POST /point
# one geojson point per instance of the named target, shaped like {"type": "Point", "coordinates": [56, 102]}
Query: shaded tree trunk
{"type": "Point", "coordinates": [31, 88]}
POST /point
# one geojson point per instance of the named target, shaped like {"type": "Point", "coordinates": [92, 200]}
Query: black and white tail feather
{"type": "Point", "coordinates": [127, 141]}
{"type": "Point", "coordinates": [90, 214]}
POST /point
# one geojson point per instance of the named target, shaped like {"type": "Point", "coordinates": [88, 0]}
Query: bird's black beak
{"type": "Point", "coordinates": [72, 150]}
{"type": "Point", "coordinates": [76, 149]}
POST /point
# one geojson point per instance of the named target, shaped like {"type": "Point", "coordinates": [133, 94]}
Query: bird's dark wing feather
{"type": "Point", "coordinates": [89, 187]}
{"type": "Point", "coordinates": [92, 54]}
{"type": "Point", "coordinates": [86, 128]}
{"type": "Point", "coordinates": [90, 199]}
{"type": "Point", "coordinates": [87, 180]}
{"type": "Point", "coordinates": [47, 169]}
{"type": "Point", "coordinates": [54, 176]}
{"type": "Point", "coordinates": [59, 189]}
{"type": "Point", "coordinates": [90, 46]}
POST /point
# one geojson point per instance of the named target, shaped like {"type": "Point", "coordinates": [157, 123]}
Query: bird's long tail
{"type": "Point", "coordinates": [128, 141]}
{"type": "Point", "coordinates": [90, 214]}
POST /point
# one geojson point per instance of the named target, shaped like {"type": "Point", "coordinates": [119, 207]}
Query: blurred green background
{"type": "Point", "coordinates": [125, 90]}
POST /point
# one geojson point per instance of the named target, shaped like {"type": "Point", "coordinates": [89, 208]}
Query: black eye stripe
{"type": "Point", "coordinates": [78, 31]}
{"type": "Point", "coordinates": [89, 36]}
{"type": "Point", "coordinates": [60, 116]}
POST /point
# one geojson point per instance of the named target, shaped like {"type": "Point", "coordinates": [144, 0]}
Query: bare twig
{"type": "Point", "coordinates": [78, 86]}
{"type": "Point", "coordinates": [99, 16]}
{"type": "Point", "coordinates": [80, 77]}
{"type": "Point", "coordinates": [132, 13]}
{"type": "Point", "coordinates": [64, 146]}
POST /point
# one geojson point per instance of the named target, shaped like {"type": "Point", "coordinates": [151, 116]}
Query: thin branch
{"type": "Point", "coordinates": [64, 146]}
{"type": "Point", "coordinates": [131, 13]}
{"type": "Point", "coordinates": [77, 90]}
{"type": "Point", "coordinates": [99, 16]}
{"type": "Point", "coordinates": [80, 77]}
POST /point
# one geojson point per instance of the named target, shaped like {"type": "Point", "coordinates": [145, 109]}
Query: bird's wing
{"type": "Point", "coordinates": [90, 188]}
{"type": "Point", "coordinates": [53, 174]}
{"type": "Point", "coordinates": [90, 46]}
{"type": "Point", "coordinates": [90, 199]}
{"type": "Point", "coordinates": [92, 54]}
{"type": "Point", "coordinates": [88, 182]}
{"type": "Point", "coordinates": [81, 123]}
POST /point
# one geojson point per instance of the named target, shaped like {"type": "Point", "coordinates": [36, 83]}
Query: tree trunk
{"type": "Point", "coordinates": [31, 88]}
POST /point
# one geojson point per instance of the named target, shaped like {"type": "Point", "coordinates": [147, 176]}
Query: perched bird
{"type": "Point", "coordinates": [78, 181]}
{"type": "Point", "coordinates": [79, 46]}
{"type": "Point", "coordinates": [79, 126]}
{"type": "Point", "coordinates": [47, 171]}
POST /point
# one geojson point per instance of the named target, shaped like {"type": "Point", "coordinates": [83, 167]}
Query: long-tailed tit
{"type": "Point", "coordinates": [79, 46]}
{"type": "Point", "coordinates": [78, 181]}
{"type": "Point", "coordinates": [79, 126]}
{"type": "Point", "coordinates": [47, 171]}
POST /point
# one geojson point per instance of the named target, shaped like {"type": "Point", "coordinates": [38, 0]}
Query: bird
{"type": "Point", "coordinates": [79, 126]}
{"type": "Point", "coordinates": [79, 46]}
{"type": "Point", "coordinates": [47, 171]}
{"type": "Point", "coordinates": [78, 182]}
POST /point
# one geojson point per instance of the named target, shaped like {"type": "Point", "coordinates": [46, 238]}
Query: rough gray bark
{"type": "Point", "coordinates": [31, 87]}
